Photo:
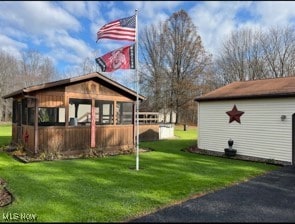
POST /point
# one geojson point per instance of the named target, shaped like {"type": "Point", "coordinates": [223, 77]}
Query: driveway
{"type": "Point", "coordinates": [267, 198]}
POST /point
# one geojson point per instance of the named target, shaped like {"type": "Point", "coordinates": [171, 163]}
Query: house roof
{"type": "Point", "coordinates": [264, 88]}
{"type": "Point", "coordinates": [64, 82]}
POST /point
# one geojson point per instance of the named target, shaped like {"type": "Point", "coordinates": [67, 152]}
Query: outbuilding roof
{"type": "Point", "coordinates": [64, 82]}
{"type": "Point", "coordinates": [264, 88]}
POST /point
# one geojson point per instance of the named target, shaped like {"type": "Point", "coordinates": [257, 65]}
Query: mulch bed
{"type": "Point", "coordinates": [24, 157]}
{"type": "Point", "coordinates": [195, 149]}
{"type": "Point", "coordinates": [6, 197]}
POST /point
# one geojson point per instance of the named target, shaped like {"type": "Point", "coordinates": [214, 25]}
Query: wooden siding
{"type": "Point", "coordinates": [88, 87]}
{"type": "Point", "coordinates": [28, 137]}
{"type": "Point", "coordinates": [51, 99]}
{"type": "Point", "coordinates": [91, 88]}
{"type": "Point", "coordinates": [260, 134]}
{"type": "Point", "coordinates": [109, 136]}
{"type": "Point", "coordinates": [66, 139]}
{"type": "Point", "coordinates": [60, 139]}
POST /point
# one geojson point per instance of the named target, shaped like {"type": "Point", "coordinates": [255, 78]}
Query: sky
{"type": "Point", "coordinates": [65, 31]}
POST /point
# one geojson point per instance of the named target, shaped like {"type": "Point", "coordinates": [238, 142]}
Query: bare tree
{"type": "Point", "coordinates": [35, 69]}
{"type": "Point", "coordinates": [253, 54]}
{"type": "Point", "coordinates": [174, 61]}
{"type": "Point", "coordinates": [278, 46]}
{"type": "Point", "coordinates": [152, 75]}
{"type": "Point", "coordinates": [15, 74]}
{"type": "Point", "coordinates": [88, 66]}
{"type": "Point", "coordinates": [239, 59]}
{"type": "Point", "coordinates": [8, 69]}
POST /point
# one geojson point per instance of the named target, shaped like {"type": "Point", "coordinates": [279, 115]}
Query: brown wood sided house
{"type": "Point", "coordinates": [75, 114]}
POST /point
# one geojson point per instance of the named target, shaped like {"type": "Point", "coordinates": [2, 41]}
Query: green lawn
{"type": "Point", "coordinates": [190, 133]}
{"type": "Point", "coordinates": [5, 134]}
{"type": "Point", "coordinates": [111, 190]}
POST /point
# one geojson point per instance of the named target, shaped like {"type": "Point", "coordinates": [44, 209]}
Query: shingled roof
{"type": "Point", "coordinates": [264, 88]}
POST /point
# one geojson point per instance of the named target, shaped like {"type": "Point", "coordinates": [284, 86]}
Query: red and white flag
{"type": "Point", "coordinates": [121, 29]}
{"type": "Point", "coordinates": [122, 58]}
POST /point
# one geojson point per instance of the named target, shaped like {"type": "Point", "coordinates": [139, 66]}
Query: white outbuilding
{"type": "Point", "coordinates": [258, 115]}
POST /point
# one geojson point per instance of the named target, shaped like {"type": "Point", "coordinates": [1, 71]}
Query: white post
{"type": "Point", "coordinates": [137, 90]}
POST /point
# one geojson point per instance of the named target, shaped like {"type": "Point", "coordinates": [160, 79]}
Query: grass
{"type": "Point", "coordinates": [111, 190]}
{"type": "Point", "coordinates": [190, 133]}
{"type": "Point", "coordinates": [5, 134]}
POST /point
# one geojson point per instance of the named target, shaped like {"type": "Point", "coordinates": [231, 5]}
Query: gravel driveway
{"type": "Point", "coordinates": [267, 198]}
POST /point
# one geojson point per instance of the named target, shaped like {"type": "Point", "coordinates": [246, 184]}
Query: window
{"type": "Point", "coordinates": [49, 116]}
{"type": "Point", "coordinates": [80, 111]}
{"type": "Point", "coordinates": [104, 111]}
{"type": "Point", "coordinates": [124, 112]}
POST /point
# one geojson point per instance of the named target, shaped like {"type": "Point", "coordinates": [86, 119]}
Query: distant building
{"type": "Point", "coordinates": [165, 114]}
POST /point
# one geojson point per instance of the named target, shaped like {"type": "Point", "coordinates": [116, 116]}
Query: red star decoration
{"type": "Point", "coordinates": [234, 114]}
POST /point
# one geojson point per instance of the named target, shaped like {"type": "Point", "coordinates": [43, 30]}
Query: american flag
{"type": "Point", "coordinates": [121, 29]}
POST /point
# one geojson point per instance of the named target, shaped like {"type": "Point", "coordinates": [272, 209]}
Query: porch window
{"type": "Point", "coordinates": [124, 112]}
{"type": "Point", "coordinates": [80, 111]}
{"type": "Point", "coordinates": [48, 116]}
{"type": "Point", "coordinates": [104, 111]}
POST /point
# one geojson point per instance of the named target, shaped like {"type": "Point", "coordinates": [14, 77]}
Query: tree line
{"type": "Point", "coordinates": [30, 69]}
{"type": "Point", "coordinates": [175, 67]}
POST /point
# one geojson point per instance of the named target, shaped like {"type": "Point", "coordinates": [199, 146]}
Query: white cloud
{"type": "Point", "coordinates": [70, 49]}
{"type": "Point", "coordinates": [44, 24]}
{"type": "Point", "coordinates": [275, 12]}
{"type": "Point", "coordinates": [93, 10]}
{"type": "Point", "coordinates": [77, 8]}
{"type": "Point", "coordinates": [86, 9]}
{"type": "Point", "coordinates": [66, 31]}
{"type": "Point", "coordinates": [73, 44]}
{"type": "Point", "coordinates": [62, 54]}
{"type": "Point", "coordinates": [152, 12]}
{"type": "Point", "coordinates": [10, 31]}
{"type": "Point", "coordinates": [149, 9]}
{"type": "Point", "coordinates": [37, 17]}
{"type": "Point", "coordinates": [214, 21]}
{"type": "Point", "coordinates": [11, 46]}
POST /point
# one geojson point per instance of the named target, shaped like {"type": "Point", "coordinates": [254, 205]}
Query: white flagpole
{"type": "Point", "coordinates": [137, 90]}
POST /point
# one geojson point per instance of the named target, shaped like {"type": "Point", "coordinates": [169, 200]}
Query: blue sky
{"type": "Point", "coordinates": [66, 31]}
